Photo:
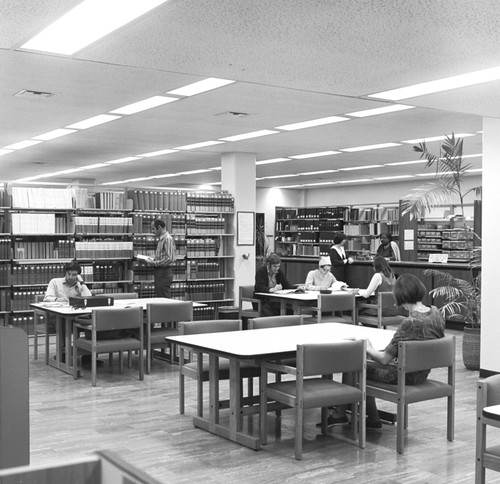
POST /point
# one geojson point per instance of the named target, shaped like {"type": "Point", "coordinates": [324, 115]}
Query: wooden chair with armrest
{"type": "Point", "coordinates": [416, 356]}
{"type": "Point", "coordinates": [129, 320]}
{"type": "Point", "coordinates": [385, 301]}
{"type": "Point", "coordinates": [161, 321]}
{"type": "Point", "coordinates": [488, 415]}
{"type": "Point", "coordinates": [249, 306]}
{"type": "Point", "coordinates": [274, 321]}
{"type": "Point", "coordinates": [198, 369]}
{"type": "Point", "coordinates": [333, 304]}
{"type": "Point", "coordinates": [314, 387]}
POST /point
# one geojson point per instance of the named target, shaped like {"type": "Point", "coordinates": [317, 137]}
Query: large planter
{"type": "Point", "coordinates": [471, 348]}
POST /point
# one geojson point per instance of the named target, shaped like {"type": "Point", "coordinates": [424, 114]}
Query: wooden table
{"type": "Point", "coordinates": [65, 314]}
{"type": "Point", "coordinates": [256, 346]}
{"type": "Point", "coordinates": [296, 299]}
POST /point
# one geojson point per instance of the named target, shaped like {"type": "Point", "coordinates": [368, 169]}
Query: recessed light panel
{"type": "Point", "coordinates": [200, 86]}
{"type": "Point", "coordinates": [94, 121]}
{"type": "Point", "coordinates": [145, 104]}
{"type": "Point", "coordinates": [371, 147]}
{"type": "Point", "coordinates": [312, 123]}
{"type": "Point", "coordinates": [253, 134]}
{"type": "Point", "coordinates": [315, 155]}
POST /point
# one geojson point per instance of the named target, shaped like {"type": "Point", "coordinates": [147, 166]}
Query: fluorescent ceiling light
{"type": "Point", "coordinates": [200, 86]}
{"type": "Point", "coordinates": [95, 165]}
{"type": "Point", "coordinates": [149, 103]}
{"type": "Point", "coordinates": [290, 186]}
{"type": "Point", "coordinates": [313, 122]}
{"type": "Point", "coordinates": [56, 133]}
{"type": "Point", "coordinates": [271, 160]}
{"type": "Point", "coordinates": [356, 181]}
{"type": "Point", "coordinates": [158, 153]}
{"type": "Point", "coordinates": [278, 176]}
{"type": "Point", "coordinates": [22, 144]}
{"type": "Point", "coordinates": [446, 84]}
{"type": "Point", "coordinates": [474, 170]}
{"type": "Point", "coordinates": [320, 183]}
{"type": "Point", "coordinates": [371, 147]}
{"type": "Point", "coordinates": [86, 23]}
{"type": "Point", "coordinates": [5, 152]}
{"type": "Point", "coordinates": [214, 183]}
{"type": "Point", "coordinates": [436, 138]}
{"type": "Point", "coordinates": [400, 163]}
{"type": "Point", "coordinates": [478, 155]}
{"type": "Point", "coordinates": [396, 177]}
{"type": "Point", "coordinates": [365, 167]}
{"type": "Point", "coordinates": [94, 121]}
{"type": "Point", "coordinates": [114, 182]}
{"type": "Point", "coordinates": [216, 168]}
{"type": "Point", "coordinates": [199, 145]}
{"type": "Point", "coordinates": [315, 155]}
{"type": "Point", "coordinates": [435, 174]}
{"type": "Point", "coordinates": [64, 172]}
{"type": "Point", "coordinates": [253, 134]}
{"type": "Point", "coordinates": [318, 172]}
{"type": "Point", "coordinates": [166, 175]}
{"type": "Point", "coordinates": [193, 172]}
{"type": "Point", "coordinates": [376, 111]}
{"type": "Point", "coordinates": [123, 160]}
{"type": "Point", "coordinates": [139, 179]}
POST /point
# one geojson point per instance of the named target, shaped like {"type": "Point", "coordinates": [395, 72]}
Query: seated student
{"type": "Point", "coordinates": [423, 323]}
{"type": "Point", "coordinates": [382, 281]}
{"type": "Point", "coordinates": [322, 278]}
{"type": "Point", "coordinates": [270, 278]}
{"type": "Point", "coordinates": [60, 289]}
{"type": "Point", "coordinates": [388, 248]}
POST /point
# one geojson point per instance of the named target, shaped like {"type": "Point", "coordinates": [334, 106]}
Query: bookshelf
{"type": "Point", "coordinates": [103, 231]}
{"type": "Point", "coordinates": [309, 232]}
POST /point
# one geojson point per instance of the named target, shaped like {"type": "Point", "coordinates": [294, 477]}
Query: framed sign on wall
{"type": "Point", "coordinates": [245, 228]}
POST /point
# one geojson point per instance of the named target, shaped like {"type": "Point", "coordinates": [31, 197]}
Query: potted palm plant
{"type": "Point", "coordinates": [462, 298]}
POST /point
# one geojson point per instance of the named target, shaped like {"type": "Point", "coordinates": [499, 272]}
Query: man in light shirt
{"type": "Point", "coordinates": [60, 289]}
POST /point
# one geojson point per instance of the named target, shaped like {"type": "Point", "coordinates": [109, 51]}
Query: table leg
{"type": "Point", "coordinates": [63, 345]}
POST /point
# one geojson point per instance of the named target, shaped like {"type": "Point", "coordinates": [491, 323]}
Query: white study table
{"type": "Point", "coordinates": [64, 315]}
{"type": "Point", "coordinates": [255, 346]}
{"type": "Point", "coordinates": [296, 299]}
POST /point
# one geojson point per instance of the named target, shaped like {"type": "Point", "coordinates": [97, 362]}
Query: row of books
{"type": "Point", "coordinates": [106, 200]}
{"type": "Point", "coordinates": [103, 225]}
{"type": "Point", "coordinates": [143, 272]}
{"type": "Point", "coordinates": [202, 270]}
{"type": "Point", "coordinates": [104, 250]}
{"type": "Point", "coordinates": [209, 202]}
{"type": "Point", "coordinates": [5, 246]}
{"type": "Point", "coordinates": [196, 225]}
{"type": "Point", "coordinates": [4, 300]}
{"type": "Point", "coordinates": [4, 275]}
{"type": "Point", "coordinates": [21, 300]}
{"type": "Point", "coordinates": [158, 200]}
{"type": "Point", "coordinates": [24, 322]}
{"type": "Point", "coordinates": [100, 272]}
{"type": "Point", "coordinates": [189, 291]}
{"type": "Point", "coordinates": [141, 222]}
{"type": "Point", "coordinates": [372, 228]}
{"type": "Point", "coordinates": [43, 249]}
{"type": "Point", "coordinates": [35, 273]}
{"type": "Point", "coordinates": [4, 198]}
{"type": "Point", "coordinates": [33, 197]}
{"type": "Point", "coordinates": [373, 213]}
{"type": "Point", "coordinates": [202, 247]}
{"type": "Point", "coordinates": [204, 313]}
{"type": "Point", "coordinates": [36, 223]}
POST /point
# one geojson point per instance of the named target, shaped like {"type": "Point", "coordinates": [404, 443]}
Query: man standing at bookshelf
{"type": "Point", "coordinates": [163, 260]}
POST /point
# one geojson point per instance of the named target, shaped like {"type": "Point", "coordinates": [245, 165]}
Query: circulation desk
{"type": "Point", "coordinates": [255, 346]}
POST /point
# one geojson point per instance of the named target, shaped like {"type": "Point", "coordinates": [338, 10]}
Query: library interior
{"type": "Point", "coordinates": [202, 147]}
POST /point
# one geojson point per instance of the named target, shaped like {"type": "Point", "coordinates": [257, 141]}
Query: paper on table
{"type": "Point", "coordinates": [143, 257]}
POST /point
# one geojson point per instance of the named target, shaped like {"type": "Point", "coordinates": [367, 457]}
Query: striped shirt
{"type": "Point", "coordinates": [165, 251]}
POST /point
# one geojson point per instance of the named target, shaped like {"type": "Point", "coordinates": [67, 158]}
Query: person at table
{"type": "Point", "coordinates": [423, 323]}
{"type": "Point", "coordinates": [383, 280]}
{"type": "Point", "coordinates": [388, 248]}
{"type": "Point", "coordinates": [322, 278]}
{"type": "Point", "coordinates": [338, 256]}
{"type": "Point", "coordinates": [270, 279]}
{"type": "Point", "coordinates": [60, 289]}
{"type": "Point", "coordinates": [163, 260]}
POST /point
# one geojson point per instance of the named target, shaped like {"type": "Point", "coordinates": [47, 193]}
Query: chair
{"type": "Point", "coordinates": [314, 360]}
{"type": "Point", "coordinates": [343, 302]}
{"type": "Point", "coordinates": [274, 321]}
{"type": "Point", "coordinates": [110, 319]}
{"type": "Point", "coordinates": [162, 319]}
{"type": "Point", "coordinates": [40, 327]}
{"type": "Point", "coordinates": [246, 296]}
{"type": "Point", "coordinates": [487, 457]}
{"type": "Point", "coordinates": [385, 300]}
{"type": "Point", "coordinates": [416, 356]}
{"type": "Point", "coordinates": [199, 369]}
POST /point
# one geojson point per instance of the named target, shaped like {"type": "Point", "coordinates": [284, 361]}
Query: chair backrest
{"type": "Point", "coordinates": [246, 291]}
{"type": "Point", "coordinates": [39, 297]}
{"type": "Point", "coordinates": [165, 312]}
{"type": "Point", "coordinates": [491, 389]}
{"type": "Point", "coordinates": [122, 295]}
{"type": "Point", "coordinates": [274, 321]}
{"type": "Point", "coordinates": [426, 354]}
{"type": "Point", "coordinates": [111, 318]}
{"type": "Point", "coordinates": [210, 326]}
{"type": "Point", "coordinates": [336, 302]}
{"type": "Point", "coordinates": [386, 299]}
{"type": "Point", "coordinates": [327, 358]}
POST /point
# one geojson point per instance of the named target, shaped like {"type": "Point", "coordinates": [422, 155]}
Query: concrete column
{"type": "Point", "coordinates": [238, 178]}
{"type": "Point", "coordinates": [490, 328]}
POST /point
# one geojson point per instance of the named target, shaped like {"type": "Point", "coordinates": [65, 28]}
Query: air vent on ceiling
{"type": "Point", "coordinates": [33, 94]}
{"type": "Point", "coordinates": [233, 114]}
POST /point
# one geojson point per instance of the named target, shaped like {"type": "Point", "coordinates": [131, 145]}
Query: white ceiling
{"type": "Point", "coordinates": [293, 60]}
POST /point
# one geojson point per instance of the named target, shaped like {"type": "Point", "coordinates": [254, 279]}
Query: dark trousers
{"type": "Point", "coordinates": [163, 280]}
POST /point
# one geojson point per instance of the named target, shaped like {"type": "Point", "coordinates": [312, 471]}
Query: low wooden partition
{"type": "Point", "coordinates": [102, 468]}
